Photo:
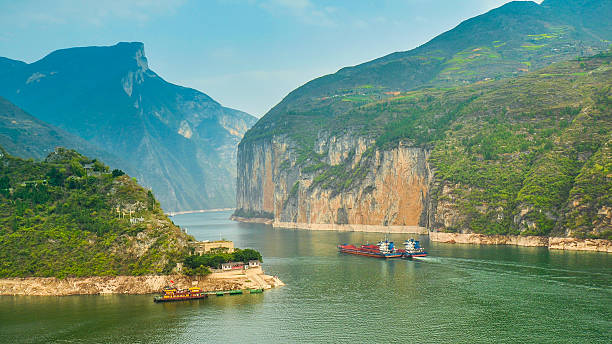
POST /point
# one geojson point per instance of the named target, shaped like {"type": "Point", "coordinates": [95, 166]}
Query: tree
{"type": "Point", "coordinates": [5, 183]}
{"type": "Point", "coordinates": [99, 167]}
{"type": "Point", "coordinates": [246, 255]}
{"type": "Point", "coordinates": [76, 168]}
{"type": "Point", "coordinates": [55, 177]}
{"type": "Point", "coordinates": [150, 200]}
{"type": "Point", "coordinates": [117, 173]}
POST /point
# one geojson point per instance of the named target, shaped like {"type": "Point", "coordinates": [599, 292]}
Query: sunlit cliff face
{"type": "Point", "coordinates": [393, 190]}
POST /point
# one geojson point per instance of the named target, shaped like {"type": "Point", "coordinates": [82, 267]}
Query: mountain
{"type": "Point", "coordinates": [477, 131]}
{"type": "Point", "coordinates": [28, 137]}
{"type": "Point", "coordinates": [177, 140]}
{"type": "Point", "coordinates": [515, 38]}
{"type": "Point", "coordinates": [69, 216]}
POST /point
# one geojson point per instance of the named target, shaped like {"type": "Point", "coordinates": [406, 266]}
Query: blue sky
{"type": "Point", "coordinates": [246, 54]}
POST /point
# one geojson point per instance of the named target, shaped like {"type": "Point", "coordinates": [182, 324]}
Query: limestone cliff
{"type": "Point", "coordinates": [353, 184]}
{"type": "Point", "coordinates": [484, 159]}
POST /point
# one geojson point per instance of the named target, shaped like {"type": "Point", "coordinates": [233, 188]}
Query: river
{"type": "Point", "coordinates": [459, 294]}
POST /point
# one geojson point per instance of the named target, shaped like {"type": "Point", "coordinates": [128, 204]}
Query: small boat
{"type": "Point", "coordinates": [384, 249]}
{"type": "Point", "coordinates": [173, 294]}
{"type": "Point", "coordinates": [413, 249]}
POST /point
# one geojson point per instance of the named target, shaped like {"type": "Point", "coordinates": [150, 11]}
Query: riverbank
{"type": "Point", "coordinates": [216, 210]}
{"type": "Point", "coordinates": [52, 286]}
{"type": "Point", "coordinates": [252, 220]}
{"type": "Point", "coordinates": [555, 243]}
{"type": "Point", "coordinates": [352, 228]}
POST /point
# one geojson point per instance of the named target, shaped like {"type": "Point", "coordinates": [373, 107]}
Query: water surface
{"type": "Point", "coordinates": [460, 294]}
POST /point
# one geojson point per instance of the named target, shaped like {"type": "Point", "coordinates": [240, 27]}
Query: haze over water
{"type": "Point", "coordinates": [460, 293]}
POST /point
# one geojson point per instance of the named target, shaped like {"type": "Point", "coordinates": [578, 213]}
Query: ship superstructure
{"type": "Point", "coordinates": [413, 249]}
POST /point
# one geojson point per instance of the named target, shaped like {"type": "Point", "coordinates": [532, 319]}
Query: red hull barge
{"type": "Point", "coordinates": [385, 249]}
{"type": "Point", "coordinates": [369, 251]}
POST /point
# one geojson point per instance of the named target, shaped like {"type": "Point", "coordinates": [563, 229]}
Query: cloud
{"type": "Point", "coordinates": [304, 10]}
{"type": "Point", "coordinates": [87, 12]}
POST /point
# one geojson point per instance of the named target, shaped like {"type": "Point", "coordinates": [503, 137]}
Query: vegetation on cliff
{"type": "Point", "coordinates": [511, 111]}
{"type": "Point", "coordinates": [70, 216]}
{"type": "Point", "coordinates": [528, 155]}
{"type": "Point", "coordinates": [514, 157]}
{"type": "Point", "coordinates": [509, 41]}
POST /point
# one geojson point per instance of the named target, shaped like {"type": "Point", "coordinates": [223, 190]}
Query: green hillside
{"type": "Point", "coordinates": [509, 41]}
{"type": "Point", "coordinates": [527, 155]}
{"type": "Point", "coordinates": [70, 216]}
{"type": "Point", "coordinates": [519, 139]}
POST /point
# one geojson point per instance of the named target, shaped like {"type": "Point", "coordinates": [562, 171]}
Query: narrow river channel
{"type": "Point", "coordinates": [459, 294]}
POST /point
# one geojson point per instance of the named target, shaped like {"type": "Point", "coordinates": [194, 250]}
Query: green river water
{"type": "Point", "coordinates": [459, 294]}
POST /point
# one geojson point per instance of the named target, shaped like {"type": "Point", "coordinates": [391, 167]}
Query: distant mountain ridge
{"type": "Point", "coordinates": [23, 135]}
{"type": "Point", "coordinates": [513, 39]}
{"type": "Point", "coordinates": [179, 141]}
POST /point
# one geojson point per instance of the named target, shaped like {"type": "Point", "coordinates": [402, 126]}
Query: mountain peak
{"type": "Point", "coordinates": [123, 55]}
{"type": "Point", "coordinates": [136, 49]}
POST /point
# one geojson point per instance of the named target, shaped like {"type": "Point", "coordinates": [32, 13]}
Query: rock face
{"type": "Point", "coordinates": [392, 191]}
{"type": "Point", "coordinates": [572, 244]}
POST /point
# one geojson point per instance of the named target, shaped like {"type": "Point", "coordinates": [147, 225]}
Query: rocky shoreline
{"type": "Point", "coordinates": [351, 227]}
{"type": "Point", "coordinates": [252, 220]}
{"type": "Point", "coordinates": [52, 286]}
{"type": "Point", "coordinates": [555, 243]}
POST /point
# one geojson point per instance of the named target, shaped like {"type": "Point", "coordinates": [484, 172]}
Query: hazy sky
{"type": "Point", "coordinates": [246, 54]}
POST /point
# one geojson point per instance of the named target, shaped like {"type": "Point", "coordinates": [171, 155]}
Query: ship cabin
{"type": "Point", "coordinates": [169, 291]}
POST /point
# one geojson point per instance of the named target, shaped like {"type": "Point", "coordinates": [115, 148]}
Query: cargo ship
{"type": "Point", "coordinates": [413, 249]}
{"type": "Point", "coordinates": [385, 249]}
{"type": "Point", "coordinates": [173, 294]}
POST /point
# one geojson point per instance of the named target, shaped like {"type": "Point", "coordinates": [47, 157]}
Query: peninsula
{"type": "Point", "coordinates": [69, 225]}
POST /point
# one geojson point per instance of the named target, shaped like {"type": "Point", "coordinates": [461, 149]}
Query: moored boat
{"type": "Point", "coordinates": [173, 294]}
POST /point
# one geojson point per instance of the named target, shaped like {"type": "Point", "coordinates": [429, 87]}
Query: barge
{"type": "Point", "coordinates": [385, 249]}
{"type": "Point", "coordinates": [173, 294]}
